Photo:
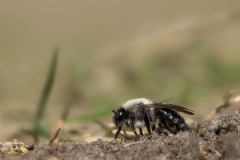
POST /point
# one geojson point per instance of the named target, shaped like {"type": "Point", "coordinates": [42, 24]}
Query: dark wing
{"type": "Point", "coordinates": [170, 106]}
{"type": "Point", "coordinates": [175, 107]}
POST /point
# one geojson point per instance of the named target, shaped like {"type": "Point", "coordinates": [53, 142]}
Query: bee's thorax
{"type": "Point", "coordinates": [133, 102]}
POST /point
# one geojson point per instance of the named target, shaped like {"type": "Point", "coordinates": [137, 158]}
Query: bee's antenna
{"type": "Point", "coordinates": [114, 111]}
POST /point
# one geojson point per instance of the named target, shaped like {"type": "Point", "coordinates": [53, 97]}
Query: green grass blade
{"type": "Point", "coordinates": [47, 87]}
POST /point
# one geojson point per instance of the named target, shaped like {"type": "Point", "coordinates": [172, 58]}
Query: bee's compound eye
{"type": "Point", "coordinates": [121, 114]}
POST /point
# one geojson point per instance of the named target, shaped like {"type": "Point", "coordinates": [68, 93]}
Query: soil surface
{"type": "Point", "coordinates": [215, 139]}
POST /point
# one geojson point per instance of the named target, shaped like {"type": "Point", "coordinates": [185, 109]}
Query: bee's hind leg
{"type": "Point", "coordinates": [161, 131]}
{"type": "Point", "coordinates": [140, 130]}
{"type": "Point", "coordinates": [153, 127]}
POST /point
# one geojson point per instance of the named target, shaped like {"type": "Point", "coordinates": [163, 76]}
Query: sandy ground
{"type": "Point", "coordinates": [216, 139]}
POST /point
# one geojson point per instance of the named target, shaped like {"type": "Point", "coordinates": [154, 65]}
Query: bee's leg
{"type": "Point", "coordinates": [134, 131]}
{"type": "Point", "coordinates": [140, 130]}
{"type": "Point", "coordinates": [146, 120]}
{"type": "Point", "coordinates": [165, 123]}
{"type": "Point", "coordinates": [119, 129]}
{"type": "Point", "coordinates": [133, 128]}
{"type": "Point", "coordinates": [161, 131]}
{"type": "Point", "coordinates": [170, 127]}
{"type": "Point", "coordinates": [172, 130]}
{"type": "Point", "coordinates": [125, 132]}
{"type": "Point", "coordinates": [153, 127]}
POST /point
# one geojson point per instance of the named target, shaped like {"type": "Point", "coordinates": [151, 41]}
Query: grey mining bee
{"type": "Point", "coordinates": [141, 112]}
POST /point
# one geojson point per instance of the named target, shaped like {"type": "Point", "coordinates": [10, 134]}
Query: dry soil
{"type": "Point", "coordinates": [216, 139]}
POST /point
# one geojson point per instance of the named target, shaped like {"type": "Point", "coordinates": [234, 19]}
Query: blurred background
{"type": "Point", "coordinates": [180, 52]}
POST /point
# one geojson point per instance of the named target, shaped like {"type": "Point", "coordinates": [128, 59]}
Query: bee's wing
{"type": "Point", "coordinates": [170, 106]}
{"type": "Point", "coordinates": [175, 107]}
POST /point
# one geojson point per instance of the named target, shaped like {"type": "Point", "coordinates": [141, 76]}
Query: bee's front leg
{"type": "Point", "coordinates": [124, 131]}
{"type": "Point", "coordinates": [119, 129]}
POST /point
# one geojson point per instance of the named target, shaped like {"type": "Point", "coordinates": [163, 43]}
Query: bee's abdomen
{"type": "Point", "coordinates": [171, 119]}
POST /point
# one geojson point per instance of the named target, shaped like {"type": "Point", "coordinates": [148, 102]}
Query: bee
{"type": "Point", "coordinates": [142, 112]}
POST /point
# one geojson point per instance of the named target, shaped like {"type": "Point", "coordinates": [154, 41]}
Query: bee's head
{"type": "Point", "coordinates": [119, 116]}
